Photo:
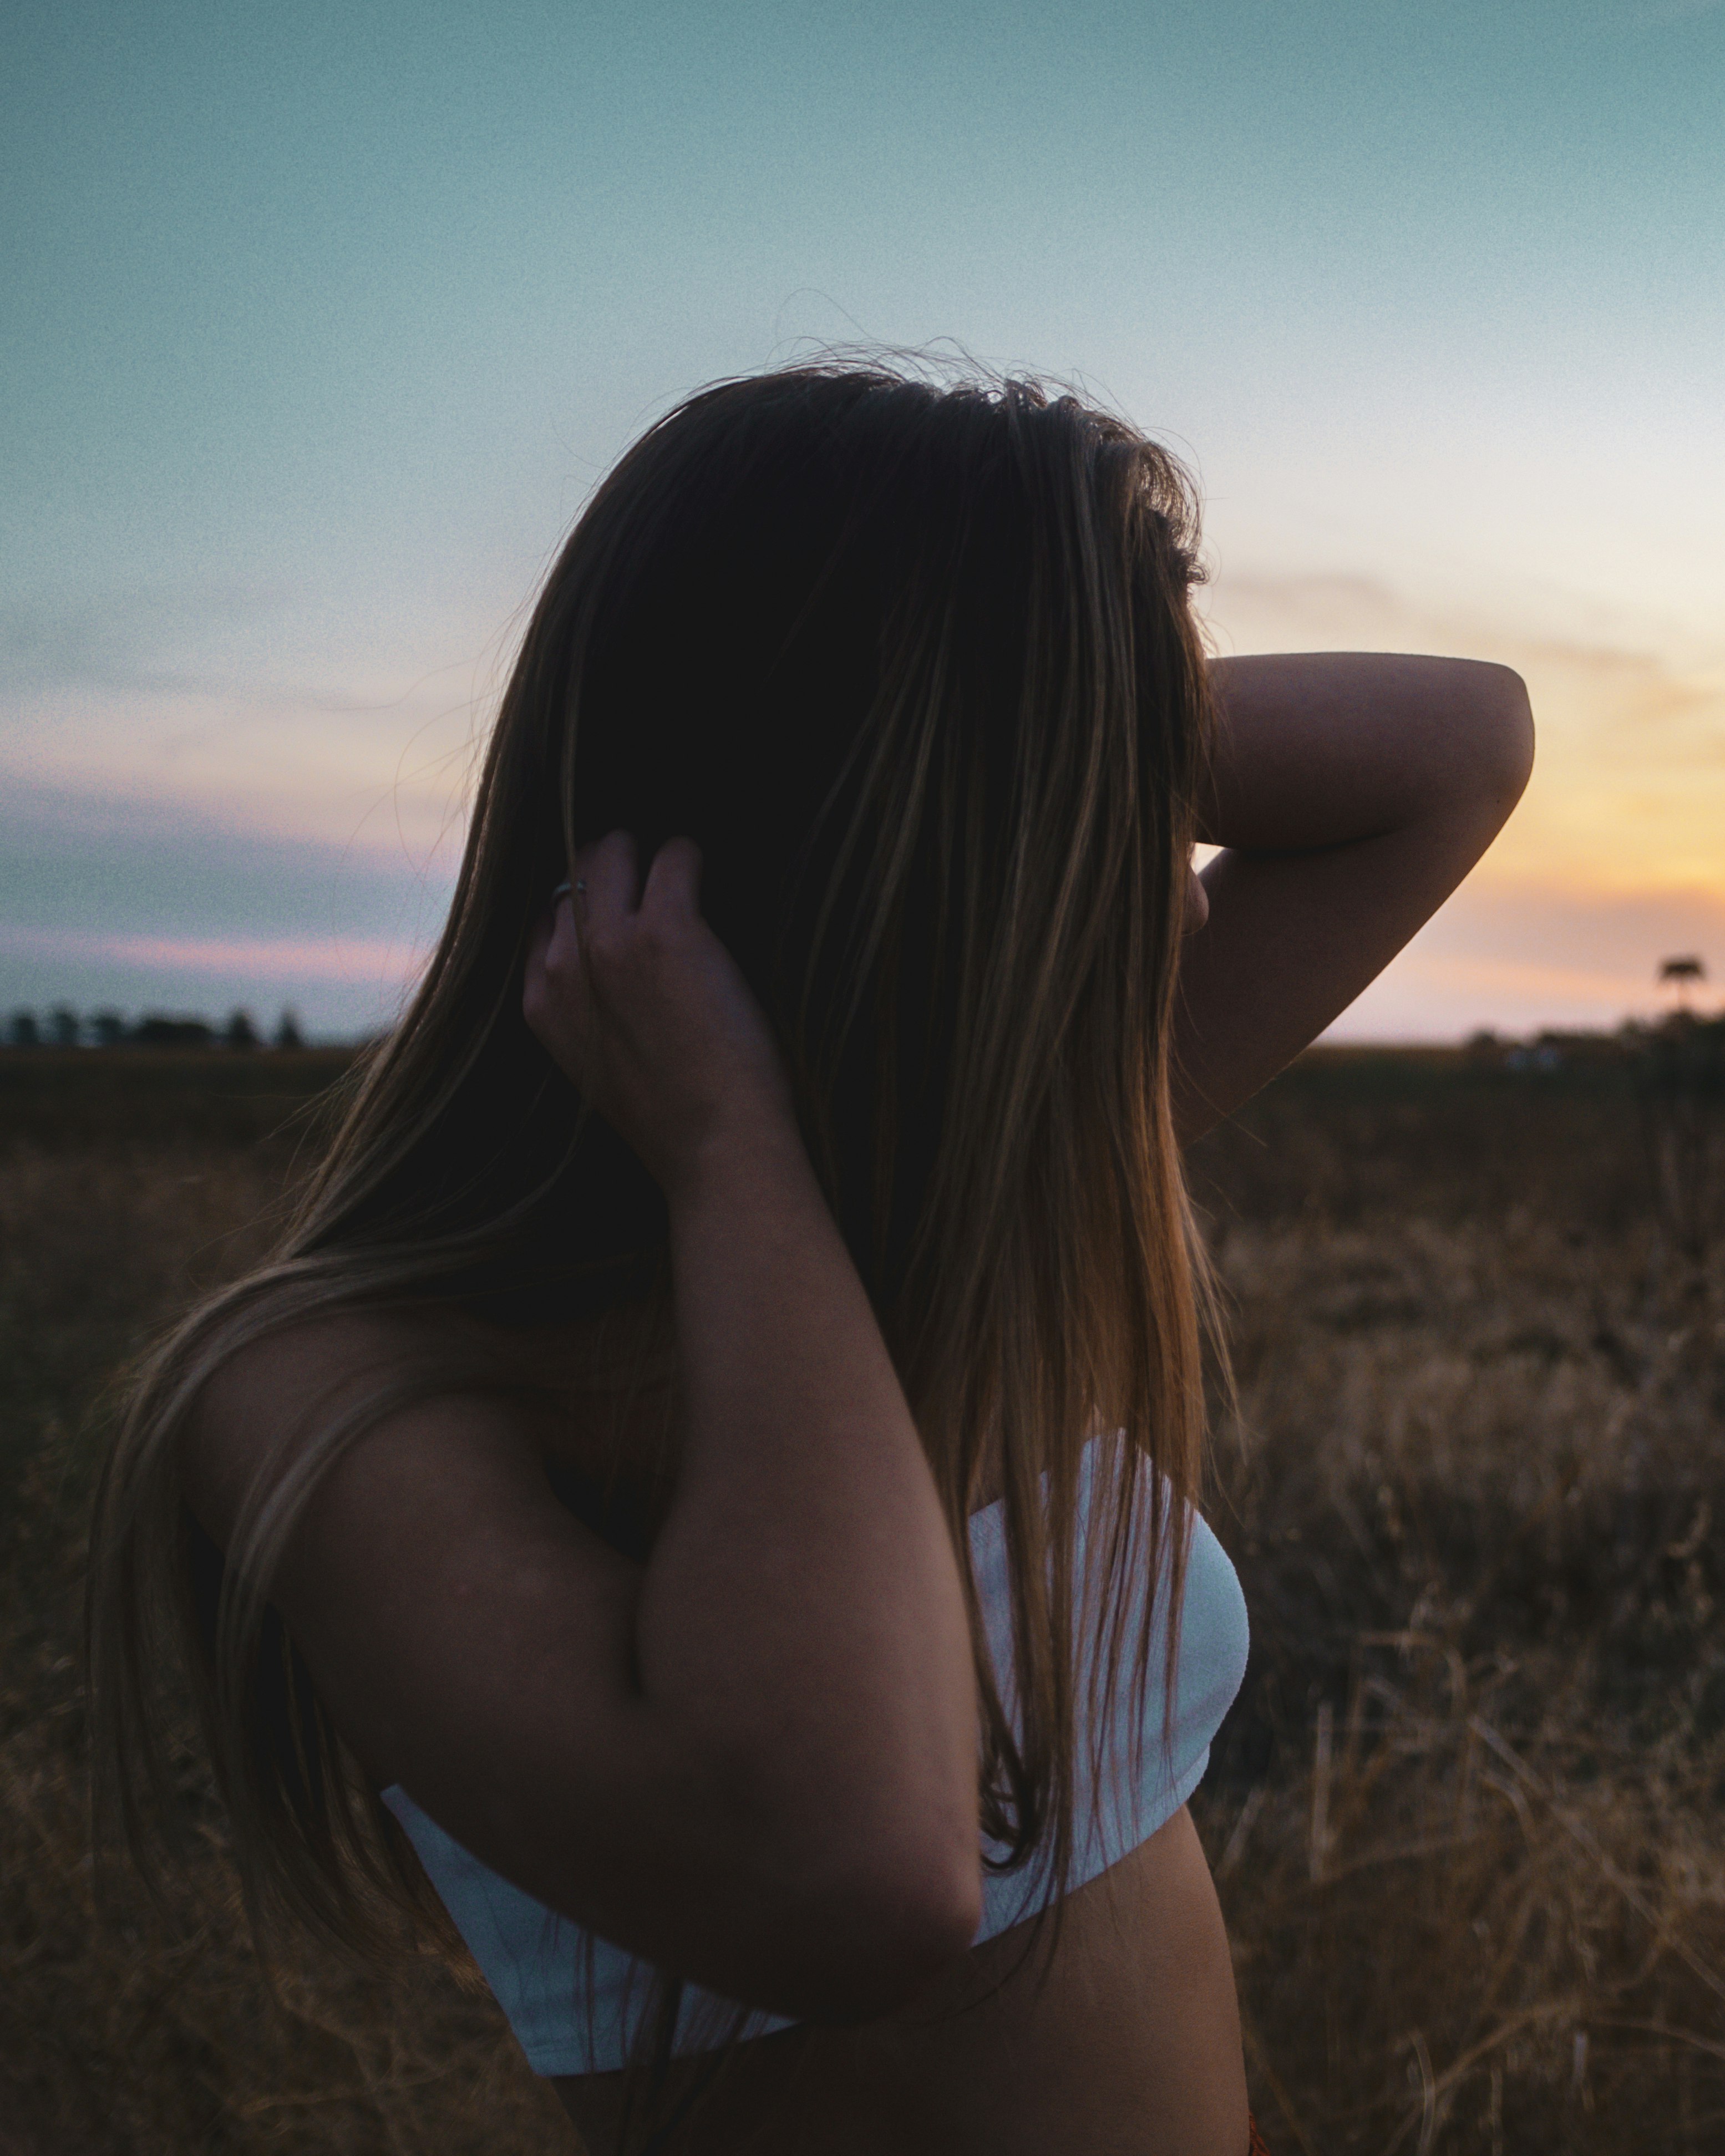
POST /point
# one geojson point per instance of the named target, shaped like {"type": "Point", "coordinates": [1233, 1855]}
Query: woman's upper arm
{"type": "Point", "coordinates": [475, 1642]}
{"type": "Point", "coordinates": [1352, 792]}
{"type": "Point", "coordinates": [464, 1631]}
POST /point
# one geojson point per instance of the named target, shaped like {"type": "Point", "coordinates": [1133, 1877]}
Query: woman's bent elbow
{"type": "Point", "coordinates": [859, 1929]}
{"type": "Point", "coordinates": [943, 1919]}
{"type": "Point", "coordinates": [891, 1934]}
{"type": "Point", "coordinates": [1509, 711]}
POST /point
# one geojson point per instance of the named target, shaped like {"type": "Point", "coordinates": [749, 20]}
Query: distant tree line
{"type": "Point", "coordinates": [63, 1028]}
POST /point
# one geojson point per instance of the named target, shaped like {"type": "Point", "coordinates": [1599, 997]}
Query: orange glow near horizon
{"type": "Point", "coordinates": [1614, 859]}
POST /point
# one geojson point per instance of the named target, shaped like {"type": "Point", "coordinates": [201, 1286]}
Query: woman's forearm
{"type": "Point", "coordinates": [798, 1704]}
{"type": "Point", "coordinates": [1322, 748]}
{"type": "Point", "coordinates": [802, 1607]}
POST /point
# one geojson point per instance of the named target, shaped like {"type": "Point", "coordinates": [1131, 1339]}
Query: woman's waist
{"type": "Point", "coordinates": [1120, 2028]}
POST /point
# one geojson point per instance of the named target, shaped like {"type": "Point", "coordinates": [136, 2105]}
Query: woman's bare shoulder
{"type": "Point", "coordinates": [270, 1396]}
{"type": "Point", "coordinates": [526, 1389]}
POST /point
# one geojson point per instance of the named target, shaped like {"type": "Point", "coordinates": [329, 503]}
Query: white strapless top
{"type": "Point", "coordinates": [572, 1999]}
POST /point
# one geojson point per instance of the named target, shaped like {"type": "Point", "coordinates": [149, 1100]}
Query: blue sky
{"type": "Point", "coordinates": [318, 324]}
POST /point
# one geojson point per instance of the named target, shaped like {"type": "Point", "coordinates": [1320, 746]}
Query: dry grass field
{"type": "Point", "coordinates": [1464, 1817]}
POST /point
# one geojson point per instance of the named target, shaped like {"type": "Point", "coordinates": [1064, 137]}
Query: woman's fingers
{"type": "Point", "coordinates": [554, 989]}
{"type": "Point", "coordinates": [644, 1010]}
{"type": "Point", "coordinates": [674, 879]}
{"type": "Point", "coordinates": [554, 947]}
{"type": "Point", "coordinates": [539, 937]}
{"type": "Point", "coordinates": [562, 998]}
{"type": "Point", "coordinates": [608, 869]}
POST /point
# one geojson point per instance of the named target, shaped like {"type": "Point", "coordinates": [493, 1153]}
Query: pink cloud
{"type": "Point", "coordinates": [312, 958]}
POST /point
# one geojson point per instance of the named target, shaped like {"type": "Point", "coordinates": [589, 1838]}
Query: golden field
{"type": "Point", "coordinates": [1465, 1817]}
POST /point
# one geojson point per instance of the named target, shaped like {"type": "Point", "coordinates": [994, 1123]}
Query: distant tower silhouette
{"type": "Point", "coordinates": [1682, 974]}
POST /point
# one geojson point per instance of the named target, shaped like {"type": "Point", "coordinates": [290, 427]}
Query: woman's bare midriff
{"type": "Point", "coordinates": [1125, 2043]}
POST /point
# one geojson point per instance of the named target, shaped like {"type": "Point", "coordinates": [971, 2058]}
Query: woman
{"type": "Point", "coordinates": [695, 1470]}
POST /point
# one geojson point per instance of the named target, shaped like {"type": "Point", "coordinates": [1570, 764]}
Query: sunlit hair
{"type": "Point", "coordinates": [911, 658]}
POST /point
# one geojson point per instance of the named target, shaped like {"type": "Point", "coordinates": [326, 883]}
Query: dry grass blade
{"type": "Point", "coordinates": [1235, 1847]}
{"type": "Point", "coordinates": [1259, 2059]}
{"type": "Point", "coordinates": [1482, 1416]}
{"type": "Point", "coordinates": [1578, 1830]}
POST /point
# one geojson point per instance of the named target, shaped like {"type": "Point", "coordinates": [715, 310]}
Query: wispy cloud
{"type": "Point", "coordinates": [128, 640]}
{"type": "Point", "coordinates": [317, 855]}
{"type": "Point", "coordinates": [1661, 14]}
{"type": "Point", "coordinates": [391, 774]}
{"type": "Point", "coordinates": [1314, 598]}
{"type": "Point", "coordinates": [341, 959]}
{"type": "Point", "coordinates": [113, 866]}
{"type": "Point", "coordinates": [141, 903]}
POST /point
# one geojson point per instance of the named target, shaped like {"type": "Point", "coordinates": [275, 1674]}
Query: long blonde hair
{"type": "Point", "coordinates": [913, 660]}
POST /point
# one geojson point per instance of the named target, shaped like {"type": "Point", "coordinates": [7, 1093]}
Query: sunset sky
{"type": "Point", "coordinates": [319, 323]}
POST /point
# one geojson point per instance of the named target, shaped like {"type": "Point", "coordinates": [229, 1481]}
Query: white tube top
{"type": "Point", "coordinates": [571, 1998]}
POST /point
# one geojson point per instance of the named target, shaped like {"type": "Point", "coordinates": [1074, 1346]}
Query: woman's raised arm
{"type": "Point", "coordinates": [753, 1761]}
{"type": "Point", "coordinates": [1351, 793]}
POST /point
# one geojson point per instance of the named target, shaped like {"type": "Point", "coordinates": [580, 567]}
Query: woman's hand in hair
{"type": "Point", "coordinates": [644, 1010]}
